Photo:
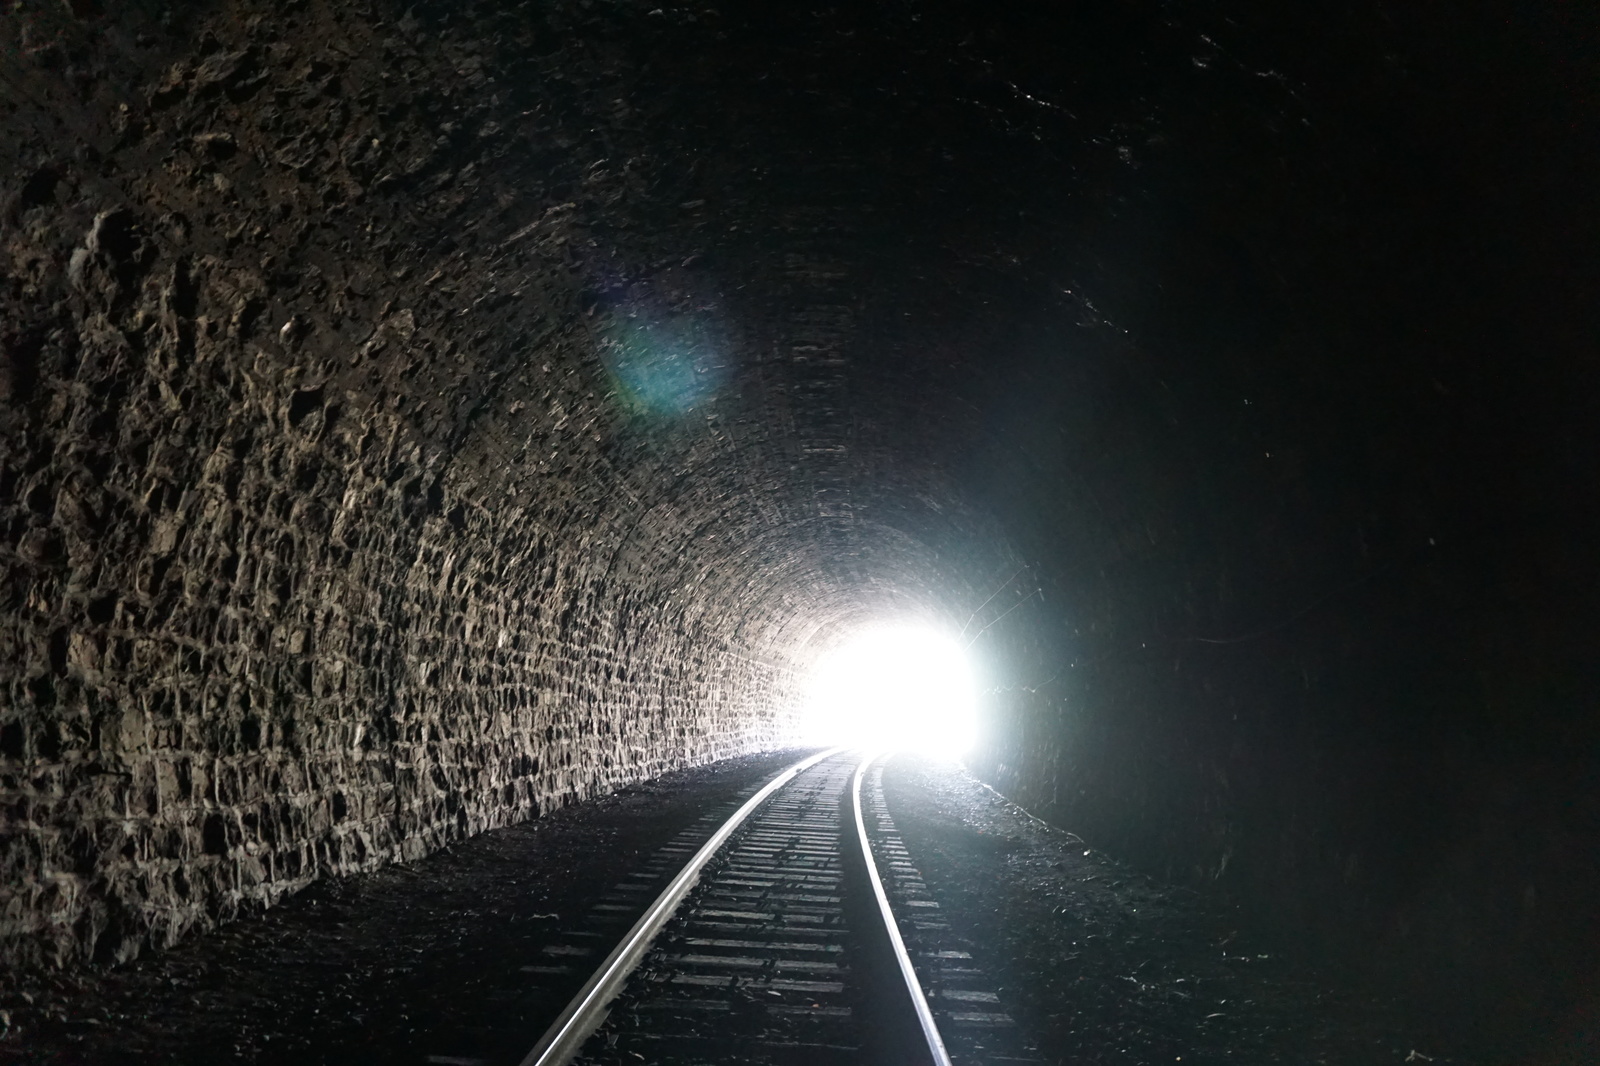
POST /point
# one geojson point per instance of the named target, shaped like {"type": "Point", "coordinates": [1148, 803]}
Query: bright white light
{"type": "Point", "coordinates": [894, 687]}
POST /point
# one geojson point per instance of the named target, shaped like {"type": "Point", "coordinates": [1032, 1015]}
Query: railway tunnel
{"type": "Point", "coordinates": [420, 419]}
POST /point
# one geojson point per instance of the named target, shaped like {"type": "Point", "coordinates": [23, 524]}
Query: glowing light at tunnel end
{"type": "Point", "coordinates": [893, 687]}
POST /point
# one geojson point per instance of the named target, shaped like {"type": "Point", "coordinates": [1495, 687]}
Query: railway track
{"type": "Point", "coordinates": [799, 933]}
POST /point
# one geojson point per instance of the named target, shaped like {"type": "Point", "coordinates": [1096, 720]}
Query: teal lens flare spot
{"type": "Point", "coordinates": [665, 367]}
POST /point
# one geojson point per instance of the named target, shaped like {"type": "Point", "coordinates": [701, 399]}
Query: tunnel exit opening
{"type": "Point", "coordinates": [894, 687]}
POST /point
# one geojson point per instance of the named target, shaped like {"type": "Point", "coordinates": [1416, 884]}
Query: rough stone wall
{"type": "Point", "coordinates": [291, 587]}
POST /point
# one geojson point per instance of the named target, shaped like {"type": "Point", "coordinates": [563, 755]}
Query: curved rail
{"type": "Point", "coordinates": [919, 1001]}
{"type": "Point", "coordinates": [588, 1008]}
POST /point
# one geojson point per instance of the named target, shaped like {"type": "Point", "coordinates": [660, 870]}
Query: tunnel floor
{"type": "Point", "coordinates": [463, 958]}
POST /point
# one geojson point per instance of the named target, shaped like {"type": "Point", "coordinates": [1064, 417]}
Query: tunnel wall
{"type": "Point", "coordinates": [1310, 612]}
{"type": "Point", "coordinates": [291, 588]}
{"type": "Point", "coordinates": [1349, 784]}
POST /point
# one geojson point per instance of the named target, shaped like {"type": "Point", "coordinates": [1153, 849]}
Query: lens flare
{"type": "Point", "coordinates": [901, 687]}
{"type": "Point", "coordinates": [663, 367]}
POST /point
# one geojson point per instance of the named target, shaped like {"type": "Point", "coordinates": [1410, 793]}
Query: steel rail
{"type": "Point", "coordinates": [583, 1015]}
{"type": "Point", "coordinates": [919, 1001]}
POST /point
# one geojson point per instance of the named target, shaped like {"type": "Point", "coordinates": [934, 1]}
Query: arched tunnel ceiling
{"type": "Point", "coordinates": [1126, 289]}
{"type": "Point", "coordinates": [514, 396]}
